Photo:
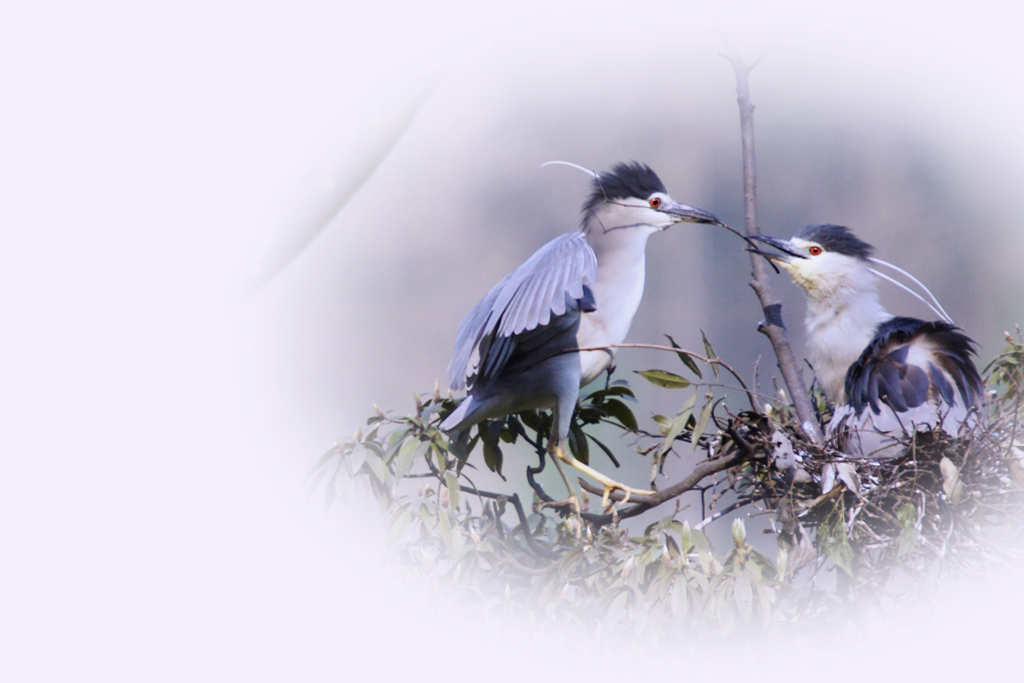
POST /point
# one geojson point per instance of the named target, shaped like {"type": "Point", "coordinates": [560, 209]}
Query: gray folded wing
{"type": "Point", "coordinates": [546, 285]}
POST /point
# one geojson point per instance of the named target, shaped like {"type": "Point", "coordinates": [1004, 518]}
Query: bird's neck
{"type": "Point", "coordinates": [621, 267]}
{"type": "Point", "coordinates": [840, 324]}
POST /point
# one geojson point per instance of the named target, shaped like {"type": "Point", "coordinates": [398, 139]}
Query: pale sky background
{"type": "Point", "coordinates": [157, 429]}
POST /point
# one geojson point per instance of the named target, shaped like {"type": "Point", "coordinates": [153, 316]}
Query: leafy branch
{"type": "Point", "coordinates": [687, 357]}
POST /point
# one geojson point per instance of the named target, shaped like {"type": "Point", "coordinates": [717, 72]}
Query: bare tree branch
{"type": "Point", "coordinates": [772, 325]}
{"type": "Point", "coordinates": [645, 503]}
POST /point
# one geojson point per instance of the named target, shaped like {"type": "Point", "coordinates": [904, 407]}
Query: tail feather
{"type": "Point", "coordinates": [458, 425]}
{"type": "Point", "coordinates": [453, 421]}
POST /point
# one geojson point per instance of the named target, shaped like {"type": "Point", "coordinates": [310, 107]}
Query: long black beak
{"type": "Point", "coordinates": [689, 214]}
{"type": "Point", "coordinates": [788, 251]}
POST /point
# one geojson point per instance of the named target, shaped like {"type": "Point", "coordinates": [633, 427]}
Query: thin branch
{"type": "Point", "coordinates": [722, 513]}
{"type": "Point", "coordinates": [772, 326]}
{"type": "Point", "coordinates": [643, 503]}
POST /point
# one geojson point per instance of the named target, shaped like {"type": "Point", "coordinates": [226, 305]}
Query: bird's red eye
{"type": "Point", "coordinates": [655, 202]}
{"type": "Point", "coordinates": [814, 251]}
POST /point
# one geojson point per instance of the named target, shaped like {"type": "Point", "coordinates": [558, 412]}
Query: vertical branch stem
{"type": "Point", "coordinates": [772, 325]}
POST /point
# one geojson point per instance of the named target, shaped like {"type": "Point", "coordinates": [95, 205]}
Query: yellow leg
{"type": "Point", "coordinates": [609, 484]}
{"type": "Point", "coordinates": [573, 502]}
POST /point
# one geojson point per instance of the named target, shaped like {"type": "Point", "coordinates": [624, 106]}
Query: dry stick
{"type": "Point", "coordinates": [772, 326]}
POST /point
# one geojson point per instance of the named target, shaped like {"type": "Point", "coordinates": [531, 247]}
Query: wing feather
{"type": "Point", "coordinates": [906, 377]}
{"type": "Point", "coordinates": [545, 285]}
{"type": "Point", "coordinates": [906, 359]}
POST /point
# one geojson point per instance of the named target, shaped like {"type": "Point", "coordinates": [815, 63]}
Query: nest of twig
{"type": "Point", "coordinates": [945, 504]}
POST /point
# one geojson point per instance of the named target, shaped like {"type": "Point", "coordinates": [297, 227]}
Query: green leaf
{"type": "Point", "coordinates": [452, 483]}
{"type": "Point", "coordinates": [426, 515]}
{"type": "Point", "coordinates": [678, 423]}
{"type": "Point", "coordinates": [607, 451]}
{"type": "Point", "coordinates": [380, 470]}
{"type": "Point", "coordinates": [710, 352]}
{"type": "Point", "coordinates": [316, 477]}
{"type": "Point", "coordinates": [705, 559]}
{"type": "Point", "coordinates": [339, 488]}
{"type": "Point", "coordinates": [679, 602]}
{"type": "Point", "coordinates": [493, 457]}
{"type": "Point", "coordinates": [832, 538]}
{"type": "Point", "coordinates": [702, 421]}
{"type": "Point", "coordinates": [621, 412]}
{"type": "Point", "coordinates": [578, 444]}
{"type": "Point", "coordinates": [613, 390]}
{"type": "Point", "coordinates": [395, 440]}
{"type": "Point", "coordinates": [589, 414]}
{"type": "Point", "coordinates": [334, 453]}
{"type": "Point", "coordinates": [509, 433]}
{"type": "Point", "coordinates": [744, 596]}
{"type": "Point", "coordinates": [407, 455]}
{"type": "Point", "coordinates": [664, 378]}
{"type": "Point", "coordinates": [533, 420]}
{"type": "Point", "coordinates": [685, 357]}
{"type": "Point", "coordinates": [356, 458]}
{"type": "Point", "coordinates": [662, 421]}
{"type": "Point", "coordinates": [371, 435]}
{"type": "Point", "coordinates": [492, 452]}
{"type": "Point", "coordinates": [444, 525]}
{"type": "Point", "coordinates": [907, 516]}
{"type": "Point", "coordinates": [397, 526]}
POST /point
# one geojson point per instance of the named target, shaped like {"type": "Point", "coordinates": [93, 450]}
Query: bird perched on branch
{"type": "Point", "coordinates": [519, 347]}
{"type": "Point", "coordinates": [888, 376]}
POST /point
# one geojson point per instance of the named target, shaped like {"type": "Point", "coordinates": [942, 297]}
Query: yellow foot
{"type": "Point", "coordinates": [572, 502]}
{"type": "Point", "coordinates": [608, 483]}
{"type": "Point", "coordinates": [560, 453]}
{"type": "Point", "coordinates": [606, 501]}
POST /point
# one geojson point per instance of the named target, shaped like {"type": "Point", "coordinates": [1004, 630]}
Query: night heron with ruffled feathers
{"type": "Point", "coordinates": [519, 347]}
{"type": "Point", "coordinates": [887, 376]}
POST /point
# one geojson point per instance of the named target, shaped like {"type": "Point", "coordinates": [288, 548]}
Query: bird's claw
{"type": "Point", "coordinates": [572, 502]}
{"type": "Point", "coordinates": [606, 501]}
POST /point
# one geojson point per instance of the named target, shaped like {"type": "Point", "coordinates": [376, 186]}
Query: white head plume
{"type": "Point", "coordinates": [569, 163]}
{"type": "Point", "coordinates": [936, 308]}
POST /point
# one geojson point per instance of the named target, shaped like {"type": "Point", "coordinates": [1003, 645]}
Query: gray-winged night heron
{"type": "Point", "coordinates": [888, 376]}
{"type": "Point", "coordinates": [517, 349]}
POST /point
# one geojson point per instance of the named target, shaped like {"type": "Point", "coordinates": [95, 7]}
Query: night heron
{"type": "Point", "coordinates": [887, 376]}
{"type": "Point", "coordinates": [518, 348]}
